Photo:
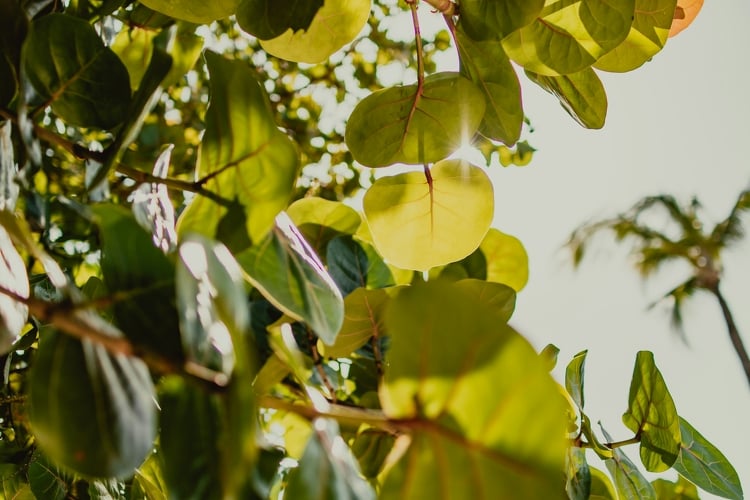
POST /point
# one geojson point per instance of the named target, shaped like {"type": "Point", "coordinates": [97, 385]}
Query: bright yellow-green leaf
{"type": "Point", "coordinates": [468, 402]}
{"type": "Point", "coordinates": [320, 220]}
{"type": "Point", "coordinates": [416, 225]}
{"type": "Point", "coordinates": [578, 474]}
{"type": "Point", "coordinates": [496, 296]}
{"type": "Point", "coordinates": [652, 415]}
{"type": "Point", "coordinates": [248, 164]}
{"type": "Point", "coordinates": [507, 261]}
{"type": "Point", "coordinates": [601, 486]}
{"type": "Point", "coordinates": [334, 25]}
{"type": "Point", "coordinates": [363, 318]}
{"type": "Point", "coordinates": [195, 11]}
{"type": "Point", "coordinates": [581, 94]}
{"type": "Point", "coordinates": [648, 34]}
{"type": "Point", "coordinates": [134, 47]}
{"type": "Point", "coordinates": [415, 126]}
{"type": "Point", "coordinates": [570, 35]}
{"type": "Point", "coordinates": [682, 489]}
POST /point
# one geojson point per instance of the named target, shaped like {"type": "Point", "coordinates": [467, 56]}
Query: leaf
{"type": "Point", "coordinates": [14, 25]}
{"type": "Point", "coordinates": [507, 261]}
{"type": "Point", "coordinates": [327, 469]}
{"type": "Point", "coordinates": [13, 484]}
{"type": "Point", "coordinates": [520, 156]}
{"type": "Point", "coordinates": [13, 278]}
{"type": "Point", "coordinates": [581, 94]}
{"type": "Point", "coordinates": [415, 126]}
{"type": "Point", "coordinates": [266, 19]}
{"type": "Point", "coordinates": [418, 225]}
{"type": "Point", "coordinates": [648, 34]}
{"type": "Point", "coordinates": [499, 298]}
{"type": "Point", "coordinates": [578, 480]}
{"type": "Point", "coordinates": [467, 403]}
{"type": "Point", "coordinates": [549, 355]}
{"type": "Point", "coordinates": [335, 24]}
{"type": "Point", "coordinates": [152, 207]}
{"type": "Point", "coordinates": [70, 68]}
{"type": "Point", "coordinates": [363, 319]}
{"type": "Point", "coordinates": [9, 188]}
{"type": "Point", "coordinates": [628, 480]}
{"type": "Point", "coordinates": [601, 486]}
{"type": "Point", "coordinates": [46, 480]}
{"type": "Point", "coordinates": [244, 160]}
{"type": "Point", "coordinates": [355, 264]}
{"type": "Point", "coordinates": [91, 411]}
{"type": "Point", "coordinates": [703, 464]}
{"type": "Point", "coordinates": [487, 65]}
{"type": "Point", "coordinates": [131, 264]}
{"type": "Point", "coordinates": [652, 415]}
{"type": "Point", "coordinates": [485, 19]}
{"type": "Point", "coordinates": [134, 47]}
{"type": "Point", "coordinates": [93, 9]}
{"type": "Point", "coordinates": [570, 35]}
{"type": "Point", "coordinates": [678, 490]}
{"type": "Point", "coordinates": [574, 378]}
{"type": "Point", "coordinates": [371, 447]}
{"type": "Point", "coordinates": [685, 13]}
{"type": "Point", "coordinates": [321, 220]}
{"type": "Point", "coordinates": [194, 11]}
{"type": "Point", "coordinates": [289, 274]}
{"type": "Point", "coordinates": [148, 482]}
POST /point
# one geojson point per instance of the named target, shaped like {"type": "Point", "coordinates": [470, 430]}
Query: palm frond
{"type": "Point", "coordinates": [730, 229]}
{"type": "Point", "coordinates": [678, 296]}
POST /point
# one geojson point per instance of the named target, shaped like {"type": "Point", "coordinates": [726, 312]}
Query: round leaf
{"type": "Point", "coordinates": [507, 261]}
{"type": "Point", "coordinates": [266, 19]}
{"type": "Point", "coordinates": [416, 225]}
{"type": "Point", "coordinates": [363, 319]}
{"type": "Point", "coordinates": [194, 11]}
{"type": "Point", "coordinates": [485, 19]}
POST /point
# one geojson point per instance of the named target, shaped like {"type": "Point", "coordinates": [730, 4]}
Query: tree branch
{"type": "Point", "coordinates": [734, 334]}
{"type": "Point", "coordinates": [446, 7]}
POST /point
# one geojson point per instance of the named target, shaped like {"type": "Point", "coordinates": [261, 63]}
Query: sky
{"type": "Point", "coordinates": [678, 125]}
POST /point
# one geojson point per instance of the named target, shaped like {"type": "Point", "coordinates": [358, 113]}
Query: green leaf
{"type": "Point", "coordinates": [70, 68]}
{"type": "Point", "coordinates": [507, 261]}
{"type": "Point", "coordinates": [93, 9]}
{"type": "Point", "coordinates": [327, 469]}
{"type": "Point", "coordinates": [628, 480]}
{"type": "Point", "coordinates": [581, 94]}
{"type": "Point", "coordinates": [335, 24]}
{"type": "Point", "coordinates": [363, 319]}
{"type": "Point", "coordinates": [703, 464]}
{"type": "Point", "coordinates": [131, 264]}
{"type": "Point", "coordinates": [194, 11]}
{"type": "Point", "coordinates": [418, 225]}
{"type": "Point", "coordinates": [499, 298]}
{"type": "Point", "coordinates": [468, 402]}
{"type": "Point", "coordinates": [371, 447]}
{"type": "Point", "coordinates": [574, 378]}
{"type": "Point", "coordinates": [604, 452]}
{"type": "Point", "coordinates": [14, 25]}
{"type": "Point", "coordinates": [289, 274]}
{"type": "Point", "coordinates": [244, 160]}
{"type": "Point", "coordinates": [355, 264]}
{"type": "Point", "coordinates": [601, 486]}
{"type": "Point", "coordinates": [13, 484]}
{"type": "Point", "coordinates": [46, 480]}
{"type": "Point", "coordinates": [647, 36]}
{"type": "Point", "coordinates": [91, 411]}
{"type": "Point", "coordinates": [148, 482]}
{"type": "Point", "coordinates": [487, 65]}
{"type": "Point", "coordinates": [652, 415]}
{"type": "Point", "coordinates": [13, 277]}
{"type": "Point", "coordinates": [570, 35]}
{"type": "Point", "coordinates": [681, 489]}
{"type": "Point", "coordinates": [266, 19]}
{"type": "Point", "coordinates": [321, 220]}
{"type": "Point", "coordinates": [578, 474]}
{"type": "Point", "coordinates": [485, 19]}
{"type": "Point", "coordinates": [549, 354]}
{"type": "Point", "coordinates": [415, 126]}
{"type": "Point", "coordinates": [134, 47]}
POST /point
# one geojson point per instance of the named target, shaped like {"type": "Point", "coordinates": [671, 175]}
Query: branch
{"type": "Point", "coordinates": [446, 7]}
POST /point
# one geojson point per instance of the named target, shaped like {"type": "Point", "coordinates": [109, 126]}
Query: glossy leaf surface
{"type": "Point", "coordinates": [416, 225]}
{"type": "Point", "coordinates": [507, 261]}
{"type": "Point", "coordinates": [268, 19]}
{"type": "Point", "coordinates": [415, 126]}
{"type": "Point", "coordinates": [652, 415]}
{"type": "Point", "coordinates": [581, 94]}
{"type": "Point", "coordinates": [467, 403]}
{"type": "Point", "coordinates": [245, 160]}
{"type": "Point", "coordinates": [71, 69]}
{"type": "Point", "coordinates": [335, 24]}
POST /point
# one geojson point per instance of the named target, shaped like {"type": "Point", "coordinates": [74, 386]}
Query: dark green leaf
{"type": "Point", "coordinates": [71, 69]}
{"type": "Point", "coordinates": [628, 480]}
{"type": "Point", "coordinates": [652, 415]}
{"type": "Point", "coordinates": [581, 94]}
{"type": "Point", "coordinates": [194, 11]}
{"type": "Point", "coordinates": [415, 126]}
{"type": "Point", "coordinates": [13, 28]}
{"type": "Point", "coordinates": [703, 464]}
{"type": "Point", "coordinates": [485, 19]}
{"type": "Point", "coordinates": [268, 19]}
{"type": "Point", "coordinates": [578, 475]}
{"type": "Point", "coordinates": [371, 447]}
{"type": "Point", "coordinates": [354, 264]}
{"type": "Point", "coordinates": [90, 410]}
{"type": "Point", "coordinates": [47, 480]}
{"type": "Point", "coordinates": [574, 378]}
{"type": "Point", "coordinates": [93, 9]}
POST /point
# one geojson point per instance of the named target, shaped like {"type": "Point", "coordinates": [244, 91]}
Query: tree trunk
{"type": "Point", "coordinates": [734, 334]}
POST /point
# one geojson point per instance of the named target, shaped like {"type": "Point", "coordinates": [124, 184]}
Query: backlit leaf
{"type": "Point", "coordinates": [652, 415]}
{"type": "Point", "coordinates": [71, 69]}
{"type": "Point", "coordinates": [245, 160]}
{"type": "Point", "coordinates": [409, 125]}
{"type": "Point", "coordinates": [601, 486]}
{"type": "Point", "coordinates": [47, 480]}
{"type": "Point", "coordinates": [501, 299]}
{"type": "Point", "coordinates": [628, 480]}
{"type": "Point", "coordinates": [266, 19]}
{"type": "Point", "coordinates": [195, 11]}
{"type": "Point", "coordinates": [685, 13]}
{"type": "Point", "coordinates": [468, 402]}
{"type": "Point", "coordinates": [570, 35]}
{"type": "Point", "coordinates": [371, 447]}
{"type": "Point", "coordinates": [486, 64]}
{"type": "Point", "coordinates": [485, 19]}
{"type": "Point", "coordinates": [703, 464]}
{"type": "Point", "coordinates": [581, 94]}
{"type": "Point", "coordinates": [648, 34]}
{"type": "Point", "coordinates": [13, 277]}
{"type": "Point", "coordinates": [321, 220]}
{"type": "Point", "coordinates": [134, 47]}
{"type": "Point", "coordinates": [574, 378]}
{"type": "Point", "coordinates": [418, 226]}
{"type": "Point", "coordinates": [363, 319]}
{"type": "Point", "coordinates": [90, 410]}
{"type": "Point", "coordinates": [682, 489]}
{"type": "Point", "coordinates": [334, 25]}
{"type": "Point", "coordinates": [289, 274]}
{"type": "Point", "coordinates": [507, 261]}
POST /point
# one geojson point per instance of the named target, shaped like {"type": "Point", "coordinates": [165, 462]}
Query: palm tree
{"type": "Point", "coordinates": [699, 248]}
